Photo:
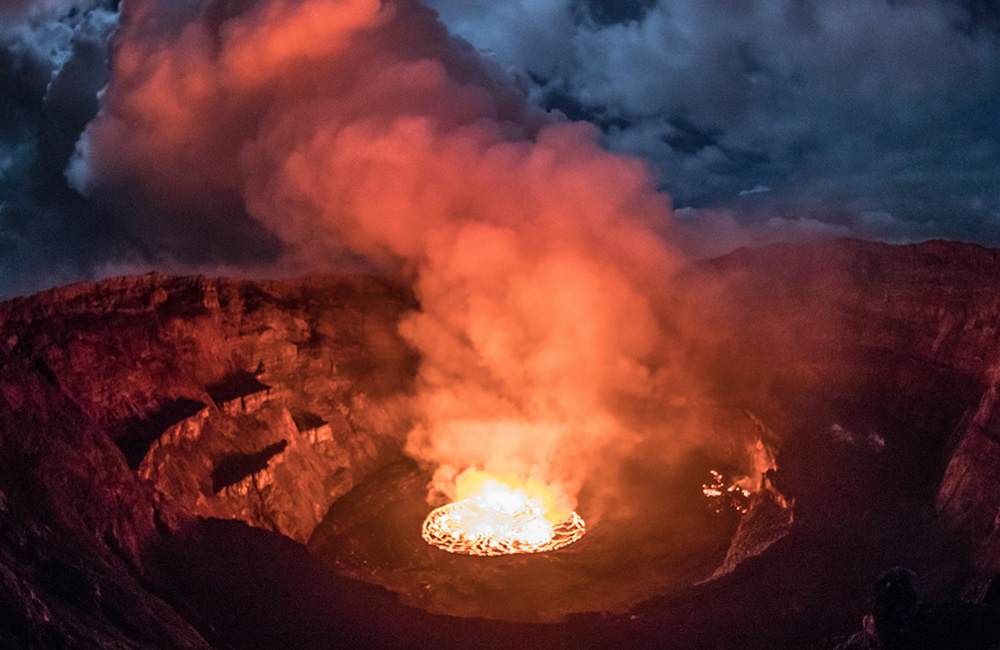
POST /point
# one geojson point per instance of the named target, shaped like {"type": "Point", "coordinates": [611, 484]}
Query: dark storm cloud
{"type": "Point", "coordinates": [874, 118]}
{"type": "Point", "coordinates": [53, 61]}
{"type": "Point", "coordinates": [763, 119]}
{"type": "Point", "coordinates": [612, 12]}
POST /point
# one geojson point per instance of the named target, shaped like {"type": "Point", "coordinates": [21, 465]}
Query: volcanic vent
{"type": "Point", "coordinates": [500, 517]}
{"type": "Point", "coordinates": [862, 461]}
{"type": "Point", "coordinates": [521, 314]}
{"type": "Point", "coordinates": [649, 531]}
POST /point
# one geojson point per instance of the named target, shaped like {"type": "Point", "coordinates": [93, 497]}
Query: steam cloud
{"type": "Point", "coordinates": [344, 127]}
{"type": "Point", "coordinates": [765, 121]}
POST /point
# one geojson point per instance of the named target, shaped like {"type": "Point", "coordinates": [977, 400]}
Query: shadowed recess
{"type": "Point", "coordinates": [235, 386]}
{"type": "Point", "coordinates": [140, 434]}
{"type": "Point", "coordinates": [234, 468]}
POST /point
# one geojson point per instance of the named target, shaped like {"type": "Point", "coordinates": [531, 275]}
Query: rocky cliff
{"type": "Point", "coordinates": [260, 401]}
{"type": "Point", "coordinates": [137, 413]}
{"type": "Point", "coordinates": [911, 331]}
{"type": "Point", "coordinates": [130, 406]}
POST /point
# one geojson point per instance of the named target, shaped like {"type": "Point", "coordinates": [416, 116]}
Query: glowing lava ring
{"type": "Point", "coordinates": [465, 527]}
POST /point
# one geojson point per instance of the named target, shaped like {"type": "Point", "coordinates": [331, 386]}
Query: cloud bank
{"type": "Point", "coordinates": [53, 62]}
{"type": "Point", "coordinates": [868, 119]}
{"type": "Point", "coordinates": [876, 118]}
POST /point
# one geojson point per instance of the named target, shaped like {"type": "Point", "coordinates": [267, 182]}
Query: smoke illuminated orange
{"type": "Point", "coordinates": [501, 515]}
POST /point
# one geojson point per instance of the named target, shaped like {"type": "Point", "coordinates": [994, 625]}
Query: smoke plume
{"type": "Point", "coordinates": [339, 128]}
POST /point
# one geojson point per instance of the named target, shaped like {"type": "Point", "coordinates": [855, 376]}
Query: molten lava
{"type": "Point", "coordinates": [722, 495]}
{"type": "Point", "coordinates": [501, 516]}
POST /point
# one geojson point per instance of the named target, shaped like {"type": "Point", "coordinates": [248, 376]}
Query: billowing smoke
{"type": "Point", "coordinates": [766, 121]}
{"type": "Point", "coordinates": [359, 127]}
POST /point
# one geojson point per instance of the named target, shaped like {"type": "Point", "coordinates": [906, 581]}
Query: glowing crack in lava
{"type": "Point", "coordinates": [501, 516]}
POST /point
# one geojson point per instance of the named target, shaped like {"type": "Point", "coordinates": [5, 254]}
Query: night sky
{"type": "Point", "coordinates": [764, 120]}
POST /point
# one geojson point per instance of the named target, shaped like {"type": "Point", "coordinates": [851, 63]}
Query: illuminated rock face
{"type": "Point", "coordinates": [131, 407]}
{"type": "Point", "coordinates": [148, 400]}
{"type": "Point", "coordinates": [194, 378]}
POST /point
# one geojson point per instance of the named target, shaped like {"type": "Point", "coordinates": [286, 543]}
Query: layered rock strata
{"type": "Point", "coordinates": [132, 407]}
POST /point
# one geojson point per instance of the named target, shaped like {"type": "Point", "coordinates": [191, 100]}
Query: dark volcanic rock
{"type": "Point", "coordinates": [120, 402]}
{"type": "Point", "coordinates": [140, 416]}
{"type": "Point", "coordinates": [969, 496]}
{"type": "Point", "coordinates": [768, 519]}
{"type": "Point", "coordinates": [901, 621]}
{"type": "Point", "coordinates": [73, 525]}
{"type": "Point", "coordinates": [911, 332]}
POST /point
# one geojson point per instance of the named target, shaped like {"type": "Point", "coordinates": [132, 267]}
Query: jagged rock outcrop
{"type": "Point", "coordinates": [130, 406]}
{"type": "Point", "coordinates": [768, 519]}
{"type": "Point", "coordinates": [132, 409]}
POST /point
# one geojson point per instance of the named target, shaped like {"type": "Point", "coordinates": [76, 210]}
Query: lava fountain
{"type": "Point", "coordinates": [501, 515]}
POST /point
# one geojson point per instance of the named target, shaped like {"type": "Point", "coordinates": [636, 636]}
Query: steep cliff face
{"type": "Point", "coordinates": [261, 401]}
{"type": "Point", "coordinates": [130, 406]}
{"type": "Point", "coordinates": [133, 408]}
{"type": "Point", "coordinates": [858, 313]}
{"type": "Point", "coordinates": [969, 496]}
{"type": "Point", "coordinates": [912, 332]}
{"type": "Point", "coordinates": [73, 526]}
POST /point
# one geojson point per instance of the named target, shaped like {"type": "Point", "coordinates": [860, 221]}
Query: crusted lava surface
{"type": "Point", "coordinates": [667, 540]}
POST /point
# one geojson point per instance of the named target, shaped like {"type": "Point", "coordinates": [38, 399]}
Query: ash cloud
{"type": "Point", "coordinates": [340, 130]}
{"type": "Point", "coordinates": [868, 119]}
{"type": "Point", "coordinates": [877, 119]}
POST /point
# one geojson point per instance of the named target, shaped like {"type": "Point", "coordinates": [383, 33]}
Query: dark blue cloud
{"type": "Point", "coordinates": [770, 118]}
{"type": "Point", "coordinates": [612, 12]}
{"type": "Point", "coordinates": [878, 118]}
{"type": "Point", "coordinates": [53, 62]}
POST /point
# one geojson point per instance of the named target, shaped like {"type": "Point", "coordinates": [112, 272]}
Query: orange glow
{"type": "Point", "coordinates": [280, 36]}
{"type": "Point", "coordinates": [723, 495]}
{"type": "Point", "coordinates": [501, 515]}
